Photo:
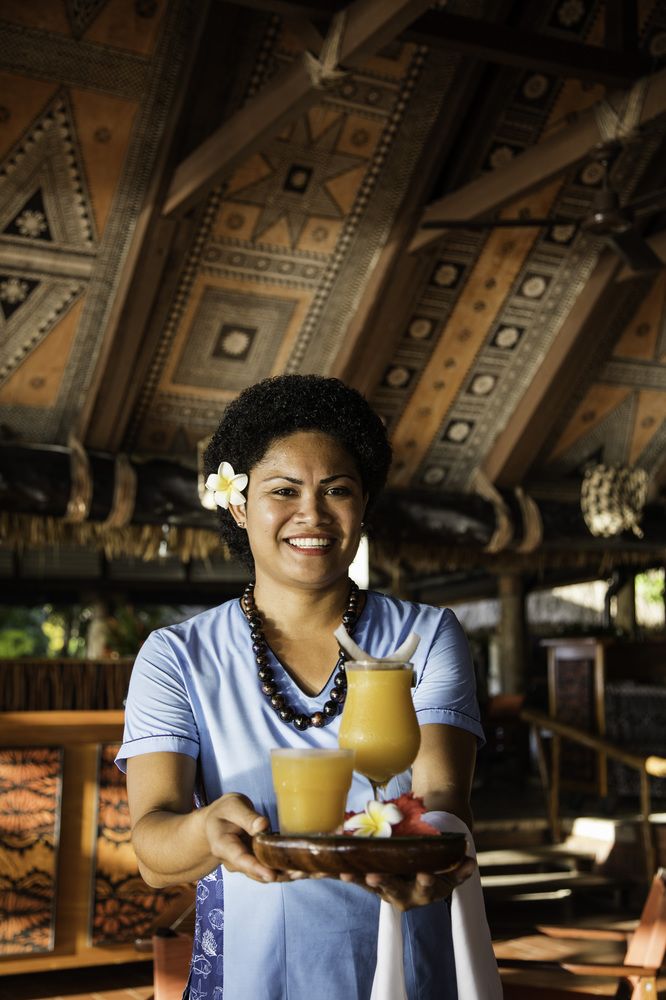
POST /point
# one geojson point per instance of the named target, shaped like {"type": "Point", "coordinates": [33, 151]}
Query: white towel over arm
{"type": "Point", "coordinates": [476, 970]}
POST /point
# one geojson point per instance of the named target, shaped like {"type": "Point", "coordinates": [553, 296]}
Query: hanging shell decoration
{"type": "Point", "coordinates": [612, 499]}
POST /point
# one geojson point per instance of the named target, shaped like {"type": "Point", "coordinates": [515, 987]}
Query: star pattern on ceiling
{"type": "Point", "coordinates": [301, 165]}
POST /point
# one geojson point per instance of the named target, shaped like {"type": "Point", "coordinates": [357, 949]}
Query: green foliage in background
{"type": "Point", "coordinates": [50, 630]}
{"type": "Point", "coordinates": [21, 632]}
{"type": "Point", "coordinates": [130, 626]}
{"type": "Point", "coordinates": [650, 586]}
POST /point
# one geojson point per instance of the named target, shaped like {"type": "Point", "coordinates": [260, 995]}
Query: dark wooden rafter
{"type": "Point", "coordinates": [657, 242]}
{"type": "Point", "coordinates": [384, 308]}
{"type": "Point", "coordinates": [308, 35]}
{"type": "Point", "coordinates": [315, 9]}
{"type": "Point", "coordinates": [571, 351]}
{"type": "Point", "coordinates": [621, 25]}
{"type": "Point", "coordinates": [508, 45]}
{"type": "Point", "coordinates": [40, 260]}
{"type": "Point", "coordinates": [530, 169]}
{"type": "Point", "coordinates": [512, 46]}
{"type": "Point", "coordinates": [136, 320]}
{"type": "Point", "coordinates": [369, 25]}
{"type": "Point", "coordinates": [152, 266]}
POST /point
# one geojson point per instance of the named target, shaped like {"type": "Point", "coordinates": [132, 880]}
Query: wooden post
{"type": "Point", "coordinates": [554, 805]}
{"type": "Point", "coordinates": [512, 633]}
{"type": "Point", "coordinates": [97, 629]}
{"type": "Point", "coordinates": [646, 829]}
{"type": "Point", "coordinates": [625, 614]}
{"type": "Point", "coordinates": [552, 802]}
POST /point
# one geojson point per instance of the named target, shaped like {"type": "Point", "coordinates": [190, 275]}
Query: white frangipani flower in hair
{"type": "Point", "coordinates": [226, 485]}
{"type": "Point", "coordinates": [376, 821]}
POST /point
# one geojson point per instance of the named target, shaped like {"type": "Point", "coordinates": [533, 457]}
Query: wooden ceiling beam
{"type": "Point", "coordinates": [385, 304]}
{"type": "Point", "coordinates": [508, 45]}
{"type": "Point", "coordinates": [289, 8]}
{"type": "Point", "coordinates": [40, 258]}
{"type": "Point", "coordinates": [512, 46]}
{"type": "Point", "coordinates": [571, 351]}
{"type": "Point", "coordinates": [157, 250]}
{"type": "Point", "coordinates": [370, 24]}
{"type": "Point", "coordinates": [621, 25]}
{"type": "Point", "coordinates": [658, 243]}
{"type": "Point", "coordinates": [530, 169]}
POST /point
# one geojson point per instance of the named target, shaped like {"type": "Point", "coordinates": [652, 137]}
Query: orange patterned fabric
{"type": "Point", "coordinates": [124, 907]}
{"type": "Point", "coordinates": [30, 789]}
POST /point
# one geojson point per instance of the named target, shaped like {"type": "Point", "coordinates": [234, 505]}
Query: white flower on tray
{"type": "Point", "coordinates": [377, 820]}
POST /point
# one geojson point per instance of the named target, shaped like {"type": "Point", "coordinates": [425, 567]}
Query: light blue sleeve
{"type": "Point", "coordinates": [158, 713]}
{"type": "Point", "coordinates": [446, 686]}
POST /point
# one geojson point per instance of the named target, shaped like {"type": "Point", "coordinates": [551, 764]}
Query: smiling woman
{"type": "Point", "coordinates": [304, 512]}
{"type": "Point", "coordinates": [209, 698]}
{"type": "Point", "coordinates": [268, 413]}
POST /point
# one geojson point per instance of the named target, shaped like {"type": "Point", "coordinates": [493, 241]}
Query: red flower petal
{"type": "Point", "coordinates": [412, 808]}
{"type": "Point", "coordinates": [411, 825]}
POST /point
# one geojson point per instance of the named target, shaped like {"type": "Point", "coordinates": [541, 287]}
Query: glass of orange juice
{"type": "Point", "coordinates": [378, 721]}
{"type": "Point", "coordinates": [311, 787]}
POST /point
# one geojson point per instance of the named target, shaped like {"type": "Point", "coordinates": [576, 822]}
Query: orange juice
{"type": "Point", "coordinates": [378, 720]}
{"type": "Point", "coordinates": [311, 788]}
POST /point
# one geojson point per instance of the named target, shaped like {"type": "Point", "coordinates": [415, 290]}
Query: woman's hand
{"type": "Point", "coordinates": [407, 893]}
{"type": "Point", "coordinates": [231, 822]}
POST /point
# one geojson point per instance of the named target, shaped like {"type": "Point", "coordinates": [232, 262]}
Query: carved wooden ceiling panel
{"type": "Point", "coordinates": [86, 90]}
{"type": "Point", "coordinates": [298, 260]}
{"type": "Point", "coordinates": [286, 247]}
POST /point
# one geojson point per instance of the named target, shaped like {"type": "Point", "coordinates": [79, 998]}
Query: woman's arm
{"type": "Point", "coordinates": [175, 843]}
{"type": "Point", "coordinates": [443, 771]}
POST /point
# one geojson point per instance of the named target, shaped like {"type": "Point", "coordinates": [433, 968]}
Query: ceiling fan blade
{"type": "Point", "coordinates": [491, 223]}
{"type": "Point", "coordinates": [635, 251]}
{"type": "Point", "coordinates": [652, 202]}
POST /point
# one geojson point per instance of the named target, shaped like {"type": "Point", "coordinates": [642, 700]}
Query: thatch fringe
{"type": "Point", "coordinates": [63, 684]}
{"type": "Point", "coordinates": [140, 541]}
{"type": "Point", "coordinates": [433, 559]}
{"type": "Point", "coordinates": [147, 542]}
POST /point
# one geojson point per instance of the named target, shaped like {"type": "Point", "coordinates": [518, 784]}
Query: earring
{"type": "Point", "coordinates": [241, 524]}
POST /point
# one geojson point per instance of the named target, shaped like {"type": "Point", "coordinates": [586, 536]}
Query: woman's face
{"type": "Point", "coordinates": [305, 504]}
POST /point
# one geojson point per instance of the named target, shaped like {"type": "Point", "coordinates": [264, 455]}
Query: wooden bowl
{"type": "Point", "coordinates": [360, 855]}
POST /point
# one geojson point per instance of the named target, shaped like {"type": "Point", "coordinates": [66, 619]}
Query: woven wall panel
{"type": "Point", "coordinates": [124, 907]}
{"type": "Point", "coordinates": [30, 795]}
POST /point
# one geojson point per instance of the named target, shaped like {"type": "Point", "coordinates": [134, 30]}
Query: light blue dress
{"type": "Point", "coordinates": [194, 690]}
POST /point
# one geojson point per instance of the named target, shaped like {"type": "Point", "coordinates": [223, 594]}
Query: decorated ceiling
{"type": "Point", "coordinates": [197, 195]}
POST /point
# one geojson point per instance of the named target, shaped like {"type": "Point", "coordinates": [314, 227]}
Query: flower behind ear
{"type": "Point", "coordinates": [226, 485]}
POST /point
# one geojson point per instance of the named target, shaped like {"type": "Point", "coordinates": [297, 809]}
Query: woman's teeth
{"type": "Point", "coordinates": [310, 543]}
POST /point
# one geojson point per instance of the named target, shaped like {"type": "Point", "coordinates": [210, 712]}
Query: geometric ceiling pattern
{"type": "Point", "coordinates": [83, 113]}
{"type": "Point", "coordinates": [295, 231]}
{"type": "Point", "coordinates": [617, 413]}
{"type": "Point", "coordinates": [522, 352]}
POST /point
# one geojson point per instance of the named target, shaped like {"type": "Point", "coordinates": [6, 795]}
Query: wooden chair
{"type": "Point", "coordinates": [637, 974]}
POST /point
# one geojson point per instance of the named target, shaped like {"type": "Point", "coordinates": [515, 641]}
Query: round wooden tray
{"type": "Point", "coordinates": [360, 855]}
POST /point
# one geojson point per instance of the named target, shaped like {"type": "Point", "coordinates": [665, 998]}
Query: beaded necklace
{"type": "Point", "coordinates": [269, 687]}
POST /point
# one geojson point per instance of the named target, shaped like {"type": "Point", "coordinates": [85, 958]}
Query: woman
{"type": "Point", "coordinates": [210, 697]}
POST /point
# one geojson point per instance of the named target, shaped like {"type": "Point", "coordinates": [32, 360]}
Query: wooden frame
{"type": "Point", "coordinates": [80, 733]}
{"type": "Point", "coordinates": [652, 765]}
